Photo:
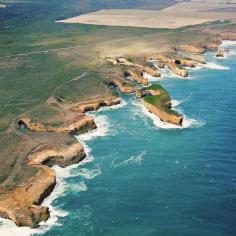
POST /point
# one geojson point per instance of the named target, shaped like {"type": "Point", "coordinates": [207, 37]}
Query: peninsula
{"type": "Point", "coordinates": [54, 74]}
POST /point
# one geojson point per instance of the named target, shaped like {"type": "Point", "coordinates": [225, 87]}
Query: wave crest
{"type": "Point", "coordinates": [214, 66]}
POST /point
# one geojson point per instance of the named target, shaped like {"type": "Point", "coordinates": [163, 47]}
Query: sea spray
{"type": "Point", "coordinates": [78, 187]}
{"type": "Point", "coordinates": [114, 107]}
{"type": "Point", "coordinates": [151, 78]}
{"type": "Point", "coordinates": [215, 66]}
{"type": "Point", "coordinates": [176, 103]}
{"type": "Point", "coordinates": [102, 129]}
{"type": "Point", "coordinates": [228, 43]}
{"type": "Point", "coordinates": [135, 159]}
{"type": "Point", "coordinates": [187, 122]}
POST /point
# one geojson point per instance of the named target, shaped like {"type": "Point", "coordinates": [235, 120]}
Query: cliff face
{"type": "Point", "coordinates": [210, 45]}
{"type": "Point", "coordinates": [123, 85]}
{"type": "Point", "coordinates": [139, 79]}
{"type": "Point", "coordinates": [229, 35]}
{"type": "Point", "coordinates": [185, 62]}
{"type": "Point", "coordinates": [95, 104]}
{"type": "Point", "coordinates": [221, 52]}
{"type": "Point", "coordinates": [177, 70]}
{"type": "Point", "coordinates": [157, 100]}
{"type": "Point", "coordinates": [162, 114]}
{"type": "Point", "coordinates": [79, 124]}
{"type": "Point", "coordinates": [22, 205]}
{"type": "Point", "coordinates": [191, 48]}
{"type": "Point", "coordinates": [197, 58]}
{"type": "Point", "coordinates": [151, 71]}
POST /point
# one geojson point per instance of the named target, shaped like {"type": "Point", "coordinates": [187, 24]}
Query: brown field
{"type": "Point", "coordinates": [179, 15]}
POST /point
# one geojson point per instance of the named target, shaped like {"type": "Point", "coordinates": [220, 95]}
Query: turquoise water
{"type": "Point", "coordinates": [144, 180]}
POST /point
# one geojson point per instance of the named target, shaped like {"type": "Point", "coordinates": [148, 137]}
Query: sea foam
{"type": "Point", "coordinates": [215, 66]}
{"type": "Point", "coordinates": [187, 122]}
{"type": "Point", "coordinates": [151, 78]}
{"type": "Point", "coordinates": [226, 43]}
{"type": "Point", "coordinates": [102, 129]}
{"type": "Point", "coordinates": [114, 107]}
{"type": "Point", "coordinates": [135, 159]}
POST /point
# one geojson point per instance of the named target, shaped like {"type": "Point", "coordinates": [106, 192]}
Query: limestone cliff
{"type": "Point", "coordinates": [151, 71]}
{"type": "Point", "coordinates": [136, 77]}
{"type": "Point", "coordinates": [221, 52]}
{"type": "Point", "coordinates": [22, 204]}
{"type": "Point", "coordinates": [94, 105]}
{"type": "Point", "coordinates": [228, 35]}
{"type": "Point", "coordinates": [162, 114]}
{"type": "Point", "coordinates": [157, 100]}
{"type": "Point", "coordinates": [190, 48]}
{"type": "Point", "coordinates": [79, 124]}
{"type": "Point", "coordinates": [123, 85]}
{"type": "Point", "coordinates": [183, 72]}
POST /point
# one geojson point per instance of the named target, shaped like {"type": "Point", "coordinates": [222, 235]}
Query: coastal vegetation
{"type": "Point", "coordinates": [161, 100]}
{"type": "Point", "coordinates": [51, 73]}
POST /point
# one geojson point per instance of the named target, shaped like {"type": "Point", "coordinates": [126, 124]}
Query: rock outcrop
{"type": "Point", "coordinates": [22, 204]}
{"type": "Point", "coordinates": [121, 61]}
{"type": "Point", "coordinates": [221, 52]}
{"type": "Point", "coordinates": [197, 58]}
{"type": "Point", "coordinates": [136, 77]}
{"type": "Point", "coordinates": [162, 114]}
{"type": "Point", "coordinates": [183, 72]}
{"type": "Point", "coordinates": [157, 100]}
{"type": "Point", "coordinates": [190, 48]}
{"type": "Point", "coordinates": [228, 35]}
{"type": "Point", "coordinates": [50, 155]}
{"type": "Point", "coordinates": [186, 62]}
{"type": "Point", "coordinates": [79, 124]}
{"type": "Point", "coordinates": [123, 85]}
{"type": "Point", "coordinates": [151, 71]}
{"type": "Point", "coordinates": [212, 43]}
{"type": "Point", "coordinates": [94, 105]}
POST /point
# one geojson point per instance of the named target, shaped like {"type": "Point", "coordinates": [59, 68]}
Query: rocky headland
{"type": "Point", "coordinates": [157, 100]}
{"type": "Point", "coordinates": [43, 143]}
{"type": "Point", "coordinates": [136, 77]}
{"type": "Point", "coordinates": [124, 86]}
{"type": "Point", "coordinates": [22, 204]}
{"type": "Point", "coordinates": [94, 105]}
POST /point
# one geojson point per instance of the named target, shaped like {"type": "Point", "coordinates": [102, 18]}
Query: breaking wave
{"type": "Point", "coordinates": [151, 78]}
{"type": "Point", "coordinates": [135, 159]}
{"type": "Point", "coordinates": [187, 122]}
{"type": "Point", "coordinates": [114, 107]}
{"type": "Point", "coordinates": [226, 43]}
{"type": "Point", "coordinates": [88, 174]}
{"type": "Point", "coordinates": [176, 103]}
{"type": "Point", "coordinates": [102, 129]}
{"type": "Point", "coordinates": [214, 66]}
{"type": "Point", "coordinates": [78, 187]}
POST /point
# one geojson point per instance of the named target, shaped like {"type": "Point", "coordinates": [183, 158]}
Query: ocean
{"type": "Point", "coordinates": [144, 177]}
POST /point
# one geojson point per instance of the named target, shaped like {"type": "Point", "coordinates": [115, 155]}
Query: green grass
{"type": "Point", "coordinates": [155, 87]}
{"type": "Point", "coordinates": [160, 100]}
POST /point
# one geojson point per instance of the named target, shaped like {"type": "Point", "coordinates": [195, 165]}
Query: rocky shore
{"type": "Point", "coordinates": [77, 125]}
{"type": "Point", "coordinates": [157, 100]}
{"type": "Point", "coordinates": [22, 205]}
{"type": "Point", "coordinates": [52, 144]}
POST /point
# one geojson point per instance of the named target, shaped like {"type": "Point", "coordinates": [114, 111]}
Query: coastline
{"type": "Point", "coordinates": [94, 136]}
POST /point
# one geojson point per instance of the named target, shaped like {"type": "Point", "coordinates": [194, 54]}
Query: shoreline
{"type": "Point", "coordinates": [85, 158]}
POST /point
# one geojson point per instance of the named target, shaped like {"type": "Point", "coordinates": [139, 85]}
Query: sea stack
{"type": "Point", "coordinates": [157, 100]}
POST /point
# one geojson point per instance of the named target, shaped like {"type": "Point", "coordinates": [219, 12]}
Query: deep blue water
{"type": "Point", "coordinates": [145, 180]}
